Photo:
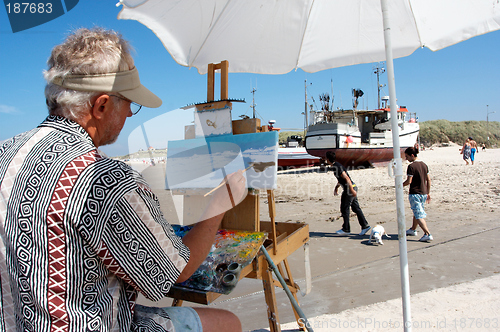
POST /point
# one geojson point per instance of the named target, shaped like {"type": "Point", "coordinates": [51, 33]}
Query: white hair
{"type": "Point", "coordinates": [86, 51]}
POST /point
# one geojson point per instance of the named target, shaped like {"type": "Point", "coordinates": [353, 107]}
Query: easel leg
{"type": "Point", "coordinates": [293, 289]}
{"type": "Point", "coordinates": [272, 215]}
{"type": "Point", "coordinates": [177, 303]}
{"type": "Point", "coordinates": [270, 295]}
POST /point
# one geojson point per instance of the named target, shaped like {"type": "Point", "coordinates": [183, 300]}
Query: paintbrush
{"type": "Point", "coordinates": [258, 167]}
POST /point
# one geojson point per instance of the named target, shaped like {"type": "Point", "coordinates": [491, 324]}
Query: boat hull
{"type": "Point", "coordinates": [296, 157]}
{"type": "Point", "coordinates": [355, 157]}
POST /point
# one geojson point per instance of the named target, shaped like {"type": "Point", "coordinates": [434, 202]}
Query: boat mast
{"type": "Point", "coordinates": [253, 101]}
{"type": "Point", "coordinates": [305, 108]}
{"type": "Point", "coordinates": [379, 70]}
{"type": "Point", "coordinates": [331, 83]}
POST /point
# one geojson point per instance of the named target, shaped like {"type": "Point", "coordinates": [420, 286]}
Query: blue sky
{"type": "Point", "coordinates": [455, 83]}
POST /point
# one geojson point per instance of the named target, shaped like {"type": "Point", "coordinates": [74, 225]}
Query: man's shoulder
{"type": "Point", "coordinates": [338, 169]}
{"type": "Point", "coordinates": [114, 168]}
{"type": "Point", "coordinates": [338, 165]}
{"type": "Point", "coordinates": [420, 165]}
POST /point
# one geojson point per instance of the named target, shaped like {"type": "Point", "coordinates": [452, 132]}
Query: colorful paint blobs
{"type": "Point", "coordinates": [204, 162]}
{"type": "Point", "coordinates": [231, 252]}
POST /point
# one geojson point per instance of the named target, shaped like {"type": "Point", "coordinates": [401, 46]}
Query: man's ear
{"type": "Point", "coordinates": [101, 105]}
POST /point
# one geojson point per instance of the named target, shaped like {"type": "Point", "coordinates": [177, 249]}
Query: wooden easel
{"type": "Point", "coordinates": [283, 238]}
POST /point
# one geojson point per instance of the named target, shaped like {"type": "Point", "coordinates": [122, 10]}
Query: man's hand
{"type": "Point", "coordinates": [336, 191]}
{"type": "Point", "coordinates": [228, 195]}
{"type": "Point", "coordinates": [353, 192]}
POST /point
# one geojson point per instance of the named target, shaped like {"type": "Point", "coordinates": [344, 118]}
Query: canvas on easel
{"type": "Point", "coordinates": [204, 162]}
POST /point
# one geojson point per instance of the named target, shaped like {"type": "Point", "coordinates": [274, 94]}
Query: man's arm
{"type": "Point", "coordinates": [199, 240]}
{"type": "Point", "coordinates": [336, 191]}
{"type": "Point", "coordinates": [201, 237]}
{"type": "Point", "coordinates": [349, 183]}
{"type": "Point", "coordinates": [408, 180]}
{"type": "Point", "coordinates": [428, 188]}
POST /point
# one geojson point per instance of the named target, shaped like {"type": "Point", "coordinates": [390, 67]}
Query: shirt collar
{"type": "Point", "coordinates": [68, 126]}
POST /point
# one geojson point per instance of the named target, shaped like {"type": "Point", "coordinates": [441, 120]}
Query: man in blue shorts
{"type": "Point", "coordinates": [420, 186]}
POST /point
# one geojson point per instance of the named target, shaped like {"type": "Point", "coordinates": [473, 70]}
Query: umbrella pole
{"type": "Point", "coordinates": [398, 173]}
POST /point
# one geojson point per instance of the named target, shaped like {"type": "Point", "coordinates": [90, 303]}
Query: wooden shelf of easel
{"type": "Point", "coordinates": [290, 238]}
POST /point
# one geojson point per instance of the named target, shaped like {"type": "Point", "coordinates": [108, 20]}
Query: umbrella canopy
{"type": "Point", "coordinates": [275, 37]}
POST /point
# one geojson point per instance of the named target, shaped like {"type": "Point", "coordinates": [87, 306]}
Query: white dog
{"type": "Point", "coordinates": [377, 233]}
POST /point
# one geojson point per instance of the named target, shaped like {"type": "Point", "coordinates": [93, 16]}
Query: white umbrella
{"type": "Point", "coordinates": [277, 36]}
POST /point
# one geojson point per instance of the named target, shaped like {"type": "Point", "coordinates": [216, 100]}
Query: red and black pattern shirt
{"type": "Point", "coordinates": [80, 235]}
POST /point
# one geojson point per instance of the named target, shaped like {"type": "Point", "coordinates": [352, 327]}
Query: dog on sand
{"type": "Point", "coordinates": [377, 233]}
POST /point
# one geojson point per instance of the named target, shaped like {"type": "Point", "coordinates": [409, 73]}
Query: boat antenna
{"type": "Point", "coordinates": [378, 69]}
{"type": "Point", "coordinates": [331, 83]}
{"type": "Point", "coordinates": [305, 108]}
{"type": "Point", "coordinates": [253, 101]}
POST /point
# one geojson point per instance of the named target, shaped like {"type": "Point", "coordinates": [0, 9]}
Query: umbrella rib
{"type": "Point", "coordinates": [209, 33]}
{"type": "Point", "coordinates": [303, 36]}
{"type": "Point", "coordinates": [416, 26]}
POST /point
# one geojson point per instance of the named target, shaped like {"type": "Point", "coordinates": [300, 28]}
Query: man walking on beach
{"type": "Point", "coordinates": [420, 187]}
{"type": "Point", "coordinates": [82, 234]}
{"type": "Point", "coordinates": [349, 198]}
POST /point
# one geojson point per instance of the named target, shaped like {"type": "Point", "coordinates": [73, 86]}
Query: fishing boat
{"type": "Point", "coordinates": [296, 157]}
{"type": "Point", "coordinates": [359, 137]}
{"type": "Point", "coordinates": [291, 154]}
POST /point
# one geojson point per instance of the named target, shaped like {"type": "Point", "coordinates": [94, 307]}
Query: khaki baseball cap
{"type": "Point", "coordinates": [126, 83]}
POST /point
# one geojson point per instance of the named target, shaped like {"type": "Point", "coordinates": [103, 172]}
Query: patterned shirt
{"type": "Point", "coordinates": [80, 235]}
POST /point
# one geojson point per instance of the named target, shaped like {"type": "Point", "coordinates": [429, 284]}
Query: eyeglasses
{"type": "Point", "coordinates": [134, 107]}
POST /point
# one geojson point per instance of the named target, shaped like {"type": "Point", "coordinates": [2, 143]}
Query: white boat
{"type": "Point", "coordinates": [292, 155]}
{"type": "Point", "coordinates": [359, 137]}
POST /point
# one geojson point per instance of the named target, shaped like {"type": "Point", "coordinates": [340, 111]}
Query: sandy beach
{"type": "Point", "coordinates": [453, 280]}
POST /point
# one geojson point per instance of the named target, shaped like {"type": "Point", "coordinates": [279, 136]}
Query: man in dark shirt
{"type": "Point", "coordinates": [349, 196]}
{"type": "Point", "coordinates": [420, 186]}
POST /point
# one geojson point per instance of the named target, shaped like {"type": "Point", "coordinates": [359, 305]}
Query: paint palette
{"type": "Point", "coordinates": [230, 253]}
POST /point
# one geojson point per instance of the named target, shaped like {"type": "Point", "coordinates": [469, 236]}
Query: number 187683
{"type": "Point", "coordinates": [29, 8]}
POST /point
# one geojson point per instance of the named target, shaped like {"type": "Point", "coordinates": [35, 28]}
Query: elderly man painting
{"type": "Point", "coordinates": [82, 234]}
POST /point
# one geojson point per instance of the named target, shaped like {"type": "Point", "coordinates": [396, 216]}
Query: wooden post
{"type": "Point", "coordinates": [272, 215]}
{"type": "Point", "coordinates": [210, 82]}
{"type": "Point", "coordinates": [224, 80]}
